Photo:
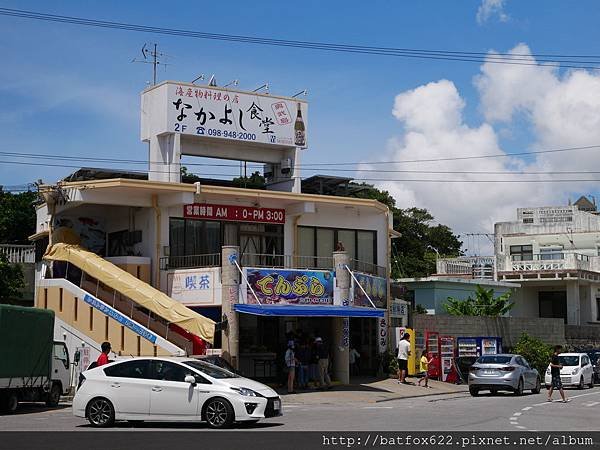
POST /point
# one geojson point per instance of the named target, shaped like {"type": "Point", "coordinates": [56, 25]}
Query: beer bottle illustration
{"type": "Point", "coordinates": [299, 129]}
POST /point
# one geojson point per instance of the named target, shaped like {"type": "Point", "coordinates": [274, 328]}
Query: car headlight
{"type": "Point", "coordinates": [246, 392]}
{"type": "Point", "coordinates": [574, 371]}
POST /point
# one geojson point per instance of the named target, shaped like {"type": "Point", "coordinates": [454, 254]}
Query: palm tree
{"type": "Point", "coordinates": [484, 304]}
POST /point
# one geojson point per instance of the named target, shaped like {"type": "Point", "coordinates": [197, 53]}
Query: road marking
{"type": "Point", "coordinates": [520, 427]}
{"type": "Point", "coordinates": [378, 407]}
{"type": "Point", "coordinates": [517, 414]}
{"type": "Point", "coordinates": [592, 404]}
{"type": "Point", "coordinates": [527, 408]}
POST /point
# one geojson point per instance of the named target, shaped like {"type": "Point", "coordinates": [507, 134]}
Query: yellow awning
{"type": "Point", "coordinates": [141, 293]}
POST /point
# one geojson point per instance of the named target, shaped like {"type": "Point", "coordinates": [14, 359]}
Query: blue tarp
{"type": "Point", "coordinates": [309, 310]}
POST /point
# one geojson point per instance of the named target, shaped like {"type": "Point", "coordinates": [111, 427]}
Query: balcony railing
{"type": "Point", "coordinates": [18, 254]}
{"type": "Point", "coordinates": [190, 261]}
{"type": "Point", "coordinates": [474, 266]}
{"type": "Point", "coordinates": [550, 261]}
{"type": "Point", "coordinates": [268, 260]}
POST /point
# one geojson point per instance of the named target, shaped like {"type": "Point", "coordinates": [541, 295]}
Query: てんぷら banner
{"type": "Point", "coordinates": [289, 287]}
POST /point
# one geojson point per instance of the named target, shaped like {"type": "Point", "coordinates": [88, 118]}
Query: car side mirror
{"type": "Point", "coordinates": [190, 379]}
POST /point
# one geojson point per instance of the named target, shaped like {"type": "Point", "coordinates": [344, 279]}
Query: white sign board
{"type": "Point", "coordinates": [195, 287]}
{"type": "Point", "coordinates": [220, 113]}
{"type": "Point", "coordinates": [399, 309]}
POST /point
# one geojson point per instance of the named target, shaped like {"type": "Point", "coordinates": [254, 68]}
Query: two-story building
{"type": "Point", "coordinates": [552, 252]}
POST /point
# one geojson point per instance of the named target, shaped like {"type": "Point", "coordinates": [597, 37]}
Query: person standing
{"type": "Point", "coordinates": [303, 359]}
{"type": "Point", "coordinates": [353, 356]}
{"type": "Point", "coordinates": [290, 364]}
{"type": "Point", "coordinates": [555, 367]}
{"type": "Point", "coordinates": [323, 355]}
{"type": "Point", "coordinates": [103, 358]}
{"type": "Point", "coordinates": [403, 354]}
{"type": "Point", "coordinates": [424, 367]}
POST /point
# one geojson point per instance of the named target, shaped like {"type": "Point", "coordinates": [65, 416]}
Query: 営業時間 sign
{"type": "Point", "coordinates": [234, 213]}
{"type": "Point", "coordinates": [236, 116]}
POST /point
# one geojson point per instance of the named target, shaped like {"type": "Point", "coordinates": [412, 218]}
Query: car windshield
{"type": "Point", "coordinates": [569, 360]}
{"type": "Point", "coordinates": [210, 370]}
{"type": "Point", "coordinates": [494, 359]}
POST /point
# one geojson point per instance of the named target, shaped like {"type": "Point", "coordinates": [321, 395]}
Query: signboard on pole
{"type": "Point", "coordinates": [375, 287]}
{"type": "Point", "coordinates": [234, 213]}
{"type": "Point", "coordinates": [225, 114]}
{"type": "Point", "coordinates": [289, 287]}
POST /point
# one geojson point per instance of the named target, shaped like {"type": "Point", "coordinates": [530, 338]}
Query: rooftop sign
{"type": "Point", "coordinates": [220, 113]}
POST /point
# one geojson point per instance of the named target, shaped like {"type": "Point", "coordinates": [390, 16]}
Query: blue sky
{"type": "Point", "coordinates": [71, 90]}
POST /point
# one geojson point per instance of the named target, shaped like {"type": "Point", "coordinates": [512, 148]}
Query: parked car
{"type": "Point", "coordinates": [503, 372]}
{"type": "Point", "coordinates": [172, 389]}
{"type": "Point", "coordinates": [595, 360]}
{"type": "Point", "coordinates": [577, 370]}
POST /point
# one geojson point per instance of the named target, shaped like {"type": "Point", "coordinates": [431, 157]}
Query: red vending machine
{"type": "Point", "coordinates": [432, 346]}
{"type": "Point", "coordinates": [446, 355]}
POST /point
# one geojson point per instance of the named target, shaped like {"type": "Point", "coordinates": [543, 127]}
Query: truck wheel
{"type": "Point", "coordinates": [100, 413]}
{"type": "Point", "coordinates": [54, 395]}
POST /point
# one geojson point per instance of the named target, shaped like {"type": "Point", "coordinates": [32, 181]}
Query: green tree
{"type": "Point", "coordinates": [12, 280]}
{"type": "Point", "coordinates": [17, 217]}
{"type": "Point", "coordinates": [536, 352]}
{"type": "Point", "coordinates": [484, 304]}
{"type": "Point", "coordinates": [254, 181]}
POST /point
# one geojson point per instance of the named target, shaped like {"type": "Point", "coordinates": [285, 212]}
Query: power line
{"type": "Point", "coordinates": [478, 57]}
{"type": "Point", "coordinates": [396, 180]}
{"type": "Point", "coordinates": [309, 165]}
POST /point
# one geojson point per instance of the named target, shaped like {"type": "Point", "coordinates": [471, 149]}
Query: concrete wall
{"type": "Point", "coordinates": [551, 331]}
{"type": "Point", "coordinates": [583, 336]}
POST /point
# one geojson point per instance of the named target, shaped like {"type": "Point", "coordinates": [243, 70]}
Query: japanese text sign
{"type": "Point", "coordinates": [195, 287]}
{"type": "Point", "coordinates": [294, 287]}
{"type": "Point", "coordinates": [221, 113]}
{"type": "Point", "coordinates": [234, 213]}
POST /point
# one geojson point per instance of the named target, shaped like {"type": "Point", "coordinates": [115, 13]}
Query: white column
{"type": "Point", "coordinates": [165, 158]}
{"type": "Point", "coordinates": [573, 303]}
{"type": "Point", "coordinates": [341, 325]}
{"type": "Point", "coordinates": [229, 296]}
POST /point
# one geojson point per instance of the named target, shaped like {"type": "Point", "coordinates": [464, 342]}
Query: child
{"type": "Point", "coordinates": [423, 368]}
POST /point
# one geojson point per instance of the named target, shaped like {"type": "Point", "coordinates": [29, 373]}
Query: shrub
{"type": "Point", "coordinates": [536, 352]}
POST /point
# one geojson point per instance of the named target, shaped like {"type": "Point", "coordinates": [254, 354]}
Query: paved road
{"type": "Point", "coordinates": [455, 412]}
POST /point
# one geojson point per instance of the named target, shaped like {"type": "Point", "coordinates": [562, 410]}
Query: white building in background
{"type": "Point", "coordinates": [553, 253]}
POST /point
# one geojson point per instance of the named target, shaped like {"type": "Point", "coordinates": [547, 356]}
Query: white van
{"type": "Point", "coordinates": [577, 370]}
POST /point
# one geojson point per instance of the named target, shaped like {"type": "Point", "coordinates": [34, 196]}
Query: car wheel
{"type": "Point", "coordinates": [100, 413]}
{"type": "Point", "coordinates": [473, 391]}
{"type": "Point", "coordinates": [519, 389]}
{"type": "Point", "coordinates": [581, 384]}
{"type": "Point", "coordinates": [10, 403]}
{"type": "Point", "coordinates": [54, 395]}
{"type": "Point", "coordinates": [218, 413]}
{"type": "Point", "coordinates": [591, 385]}
{"type": "Point", "coordinates": [538, 386]}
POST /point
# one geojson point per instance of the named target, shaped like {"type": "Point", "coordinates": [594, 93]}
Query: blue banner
{"type": "Point", "coordinates": [116, 315]}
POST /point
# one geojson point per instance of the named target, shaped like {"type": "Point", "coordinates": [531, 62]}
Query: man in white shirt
{"type": "Point", "coordinates": [403, 354]}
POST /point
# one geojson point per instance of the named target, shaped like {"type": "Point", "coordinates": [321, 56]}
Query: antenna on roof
{"type": "Point", "coordinates": [304, 93]}
{"type": "Point", "coordinates": [213, 81]}
{"type": "Point", "coordinates": [201, 78]}
{"type": "Point", "coordinates": [234, 83]}
{"type": "Point", "coordinates": [264, 86]}
{"type": "Point", "coordinates": [152, 57]}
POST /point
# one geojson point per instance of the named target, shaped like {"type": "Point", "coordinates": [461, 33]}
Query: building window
{"type": "Point", "coordinates": [521, 252]}
{"type": "Point", "coordinates": [548, 253]}
{"type": "Point", "coordinates": [194, 237]}
{"type": "Point", "coordinates": [598, 309]}
{"type": "Point", "coordinates": [321, 242]}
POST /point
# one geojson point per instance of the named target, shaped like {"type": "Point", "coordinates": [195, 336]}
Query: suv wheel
{"type": "Point", "coordinates": [473, 391]}
{"type": "Point", "coordinates": [581, 384]}
{"type": "Point", "coordinates": [538, 386]}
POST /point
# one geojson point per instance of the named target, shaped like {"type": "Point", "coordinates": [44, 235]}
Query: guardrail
{"type": "Point", "coordinates": [190, 261]}
{"type": "Point", "coordinates": [18, 254]}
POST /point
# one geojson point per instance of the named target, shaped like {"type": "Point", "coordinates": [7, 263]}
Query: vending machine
{"type": "Point", "coordinates": [446, 355]}
{"type": "Point", "coordinates": [432, 347]}
{"type": "Point", "coordinates": [480, 345]}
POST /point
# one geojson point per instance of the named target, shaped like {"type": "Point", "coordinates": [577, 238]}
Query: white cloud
{"type": "Point", "coordinates": [559, 110]}
{"type": "Point", "coordinates": [489, 8]}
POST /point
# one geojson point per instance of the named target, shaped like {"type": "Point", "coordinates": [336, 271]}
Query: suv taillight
{"type": "Point", "coordinates": [507, 369]}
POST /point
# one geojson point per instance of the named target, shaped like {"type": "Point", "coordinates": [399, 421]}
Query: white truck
{"type": "Point", "coordinates": [33, 368]}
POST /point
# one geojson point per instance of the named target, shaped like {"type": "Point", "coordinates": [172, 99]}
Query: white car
{"type": "Point", "coordinates": [171, 389]}
{"type": "Point", "coordinates": [577, 370]}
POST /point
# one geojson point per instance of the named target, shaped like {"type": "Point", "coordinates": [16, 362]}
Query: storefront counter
{"type": "Point", "coordinates": [258, 365]}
